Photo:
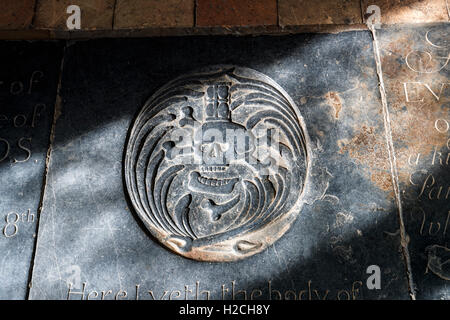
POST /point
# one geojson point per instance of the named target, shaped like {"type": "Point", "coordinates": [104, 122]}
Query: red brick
{"type": "Point", "coordinates": [306, 12]}
{"type": "Point", "coordinates": [95, 14]}
{"type": "Point", "coordinates": [139, 14]}
{"type": "Point", "coordinates": [16, 14]}
{"type": "Point", "coordinates": [236, 12]}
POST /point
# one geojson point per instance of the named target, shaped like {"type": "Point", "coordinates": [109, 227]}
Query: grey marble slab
{"type": "Point", "coordinates": [28, 79]}
{"type": "Point", "coordinates": [92, 243]}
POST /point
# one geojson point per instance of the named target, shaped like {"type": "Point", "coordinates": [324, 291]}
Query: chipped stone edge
{"type": "Point", "coordinates": [56, 115]}
{"type": "Point", "coordinates": [62, 34]}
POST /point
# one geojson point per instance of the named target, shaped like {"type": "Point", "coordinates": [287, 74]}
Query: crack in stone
{"type": "Point", "coordinates": [113, 15]}
{"type": "Point", "coordinates": [393, 163]}
{"type": "Point", "coordinates": [448, 10]}
{"type": "Point", "coordinates": [56, 113]}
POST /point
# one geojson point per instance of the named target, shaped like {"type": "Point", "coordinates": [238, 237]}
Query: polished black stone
{"type": "Point", "coordinates": [91, 242]}
{"type": "Point", "coordinates": [28, 79]}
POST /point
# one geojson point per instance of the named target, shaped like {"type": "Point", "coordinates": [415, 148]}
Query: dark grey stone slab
{"type": "Point", "coordinates": [416, 72]}
{"type": "Point", "coordinates": [93, 244]}
{"type": "Point", "coordinates": [28, 80]}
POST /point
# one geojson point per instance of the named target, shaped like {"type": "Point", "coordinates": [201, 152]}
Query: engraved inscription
{"type": "Point", "coordinates": [13, 220]}
{"type": "Point", "coordinates": [419, 99]}
{"type": "Point", "coordinates": [228, 291]}
{"type": "Point", "coordinates": [16, 148]}
{"type": "Point", "coordinates": [434, 57]}
{"type": "Point", "coordinates": [217, 163]}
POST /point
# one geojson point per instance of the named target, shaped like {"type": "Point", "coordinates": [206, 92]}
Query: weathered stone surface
{"type": "Point", "coordinates": [236, 12]}
{"type": "Point", "coordinates": [95, 15]}
{"type": "Point", "coordinates": [16, 15]}
{"type": "Point", "coordinates": [137, 14]}
{"type": "Point", "coordinates": [92, 239]}
{"type": "Point", "coordinates": [28, 80]}
{"type": "Point", "coordinates": [409, 11]}
{"type": "Point", "coordinates": [416, 73]}
{"type": "Point", "coordinates": [304, 12]}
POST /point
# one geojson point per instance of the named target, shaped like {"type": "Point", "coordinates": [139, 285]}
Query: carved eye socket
{"type": "Point", "coordinates": [244, 148]}
{"type": "Point", "coordinates": [204, 147]}
{"type": "Point", "coordinates": [223, 147]}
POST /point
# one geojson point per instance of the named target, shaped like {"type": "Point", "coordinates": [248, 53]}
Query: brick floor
{"type": "Point", "coordinates": [305, 12]}
{"type": "Point", "coordinates": [139, 14]}
{"type": "Point", "coordinates": [236, 12]}
{"type": "Point", "coordinates": [34, 19]}
{"type": "Point", "coordinates": [95, 14]}
{"type": "Point", "coordinates": [16, 14]}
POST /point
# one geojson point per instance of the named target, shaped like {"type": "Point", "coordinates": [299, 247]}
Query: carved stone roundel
{"type": "Point", "coordinates": [217, 162]}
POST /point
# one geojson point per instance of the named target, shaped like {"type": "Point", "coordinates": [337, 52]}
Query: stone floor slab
{"type": "Point", "coordinates": [92, 243]}
{"type": "Point", "coordinates": [416, 74]}
{"type": "Point", "coordinates": [28, 79]}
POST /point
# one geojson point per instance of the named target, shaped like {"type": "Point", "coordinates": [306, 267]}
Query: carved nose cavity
{"type": "Point", "coordinates": [214, 151]}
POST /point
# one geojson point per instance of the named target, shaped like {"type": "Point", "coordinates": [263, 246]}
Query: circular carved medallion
{"type": "Point", "coordinates": [216, 163]}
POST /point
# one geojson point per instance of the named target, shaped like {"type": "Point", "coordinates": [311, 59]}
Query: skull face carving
{"type": "Point", "coordinates": [217, 163]}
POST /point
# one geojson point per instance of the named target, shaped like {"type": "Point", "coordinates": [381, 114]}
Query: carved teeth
{"type": "Point", "coordinates": [214, 168]}
{"type": "Point", "coordinates": [213, 182]}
